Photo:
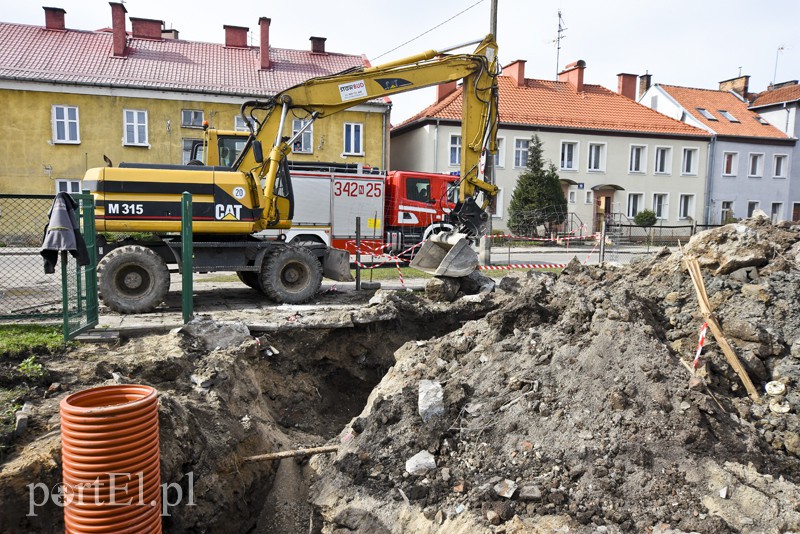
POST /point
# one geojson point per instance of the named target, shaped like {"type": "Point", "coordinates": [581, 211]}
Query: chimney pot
{"type": "Point", "coordinates": [170, 34]}
{"type": "Point", "coordinates": [516, 71]}
{"type": "Point", "coordinates": [54, 18]}
{"type": "Point", "coordinates": [235, 36]}
{"type": "Point", "coordinates": [120, 36]}
{"type": "Point", "coordinates": [644, 83]}
{"type": "Point", "coordinates": [318, 45]}
{"type": "Point", "coordinates": [573, 74]}
{"type": "Point", "coordinates": [264, 22]}
{"type": "Point", "coordinates": [626, 85]}
{"type": "Point", "coordinates": [146, 28]}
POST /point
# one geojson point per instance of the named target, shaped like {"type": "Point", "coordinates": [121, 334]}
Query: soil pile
{"type": "Point", "coordinates": [568, 409]}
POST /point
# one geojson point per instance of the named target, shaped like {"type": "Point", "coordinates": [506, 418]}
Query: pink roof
{"type": "Point", "coordinates": [32, 53]}
{"type": "Point", "coordinates": [557, 104]}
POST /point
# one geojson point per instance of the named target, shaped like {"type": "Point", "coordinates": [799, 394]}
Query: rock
{"type": "Point", "coordinates": [530, 493]}
{"type": "Point", "coordinates": [445, 475]}
{"type": "Point", "coordinates": [420, 463]}
{"type": "Point", "coordinates": [209, 334]}
{"type": "Point", "coordinates": [723, 493]}
{"type": "Point", "coordinates": [505, 488]}
{"type": "Point", "coordinates": [459, 487]}
{"type": "Point", "coordinates": [791, 442]}
{"type": "Point", "coordinates": [493, 517]}
{"type": "Point", "coordinates": [746, 275]}
{"type": "Point", "coordinates": [431, 400]}
{"type": "Point", "coordinates": [476, 283]}
{"type": "Point", "coordinates": [442, 289]}
{"type": "Point", "coordinates": [755, 291]}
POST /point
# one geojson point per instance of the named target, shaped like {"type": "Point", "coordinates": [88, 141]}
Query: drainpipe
{"type": "Point", "coordinates": [385, 154]}
{"type": "Point", "coordinates": [709, 177]}
{"type": "Point", "coordinates": [436, 147]}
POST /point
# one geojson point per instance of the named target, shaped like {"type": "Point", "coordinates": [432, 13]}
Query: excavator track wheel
{"type": "Point", "coordinates": [132, 279]}
{"type": "Point", "coordinates": [291, 275]}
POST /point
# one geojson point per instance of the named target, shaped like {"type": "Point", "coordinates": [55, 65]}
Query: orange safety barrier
{"type": "Point", "coordinates": [111, 461]}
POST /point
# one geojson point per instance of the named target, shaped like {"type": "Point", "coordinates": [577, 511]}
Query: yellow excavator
{"type": "Point", "coordinates": [231, 203]}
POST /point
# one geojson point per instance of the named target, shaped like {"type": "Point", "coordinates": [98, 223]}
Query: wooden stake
{"type": "Point", "coordinates": [290, 454]}
{"type": "Point", "coordinates": [716, 330]}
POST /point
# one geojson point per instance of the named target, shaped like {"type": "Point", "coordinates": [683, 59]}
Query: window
{"type": "Point", "coordinates": [455, 150]}
{"type": "Point", "coordinates": [726, 212]}
{"type": "Point", "coordinates": [418, 189]}
{"type": "Point", "coordinates": [596, 157]}
{"type": "Point", "coordinates": [635, 204]}
{"type": "Point", "coordinates": [569, 153]}
{"type": "Point", "coordinates": [727, 115]}
{"type": "Point", "coordinates": [589, 197]}
{"type": "Point", "coordinates": [756, 166]}
{"type": "Point", "coordinates": [497, 202]}
{"type": "Point", "coordinates": [187, 149]}
{"type": "Point", "coordinates": [191, 118]}
{"type": "Point", "coordinates": [305, 143]}
{"type": "Point", "coordinates": [65, 125]}
{"type": "Point", "coordinates": [660, 205]}
{"type": "Point", "coordinates": [663, 160]}
{"type": "Point", "coordinates": [571, 195]}
{"type": "Point", "coordinates": [637, 162]}
{"type": "Point", "coordinates": [729, 163]}
{"type": "Point", "coordinates": [500, 156]}
{"type": "Point", "coordinates": [689, 165]}
{"type": "Point", "coordinates": [68, 186]}
{"type": "Point", "coordinates": [686, 207]}
{"type": "Point", "coordinates": [707, 114]}
{"type": "Point", "coordinates": [752, 206]}
{"type": "Point", "coordinates": [779, 167]}
{"type": "Point", "coordinates": [521, 152]}
{"type": "Point", "coordinates": [776, 212]}
{"type": "Point", "coordinates": [761, 119]}
{"type": "Point", "coordinates": [240, 125]}
{"type": "Point", "coordinates": [135, 127]}
{"type": "Point", "coordinates": [353, 138]}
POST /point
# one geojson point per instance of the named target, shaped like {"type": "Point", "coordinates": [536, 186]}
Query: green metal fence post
{"type": "Point", "coordinates": [90, 237]}
{"type": "Point", "coordinates": [187, 265]}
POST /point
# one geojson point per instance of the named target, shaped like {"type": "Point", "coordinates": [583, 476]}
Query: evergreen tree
{"type": "Point", "coordinates": [538, 198]}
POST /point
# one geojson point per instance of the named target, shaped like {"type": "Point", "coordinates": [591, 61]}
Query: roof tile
{"type": "Point", "coordinates": [789, 93]}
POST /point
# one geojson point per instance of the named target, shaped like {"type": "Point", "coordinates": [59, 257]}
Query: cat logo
{"type": "Point", "coordinates": [227, 212]}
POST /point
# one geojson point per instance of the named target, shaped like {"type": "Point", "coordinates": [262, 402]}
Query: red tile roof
{"type": "Point", "coordinates": [714, 101]}
{"type": "Point", "coordinates": [557, 104]}
{"type": "Point", "coordinates": [790, 93]}
{"type": "Point", "coordinates": [32, 53]}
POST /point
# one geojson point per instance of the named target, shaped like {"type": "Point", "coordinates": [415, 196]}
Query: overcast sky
{"type": "Point", "coordinates": [694, 43]}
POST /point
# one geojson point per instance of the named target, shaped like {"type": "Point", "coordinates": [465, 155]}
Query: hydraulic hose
{"type": "Point", "coordinates": [111, 462]}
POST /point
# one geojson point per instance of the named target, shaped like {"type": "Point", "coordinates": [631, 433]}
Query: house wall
{"type": "Point", "coordinates": [787, 120]}
{"type": "Point", "coordinates": [31, 162]}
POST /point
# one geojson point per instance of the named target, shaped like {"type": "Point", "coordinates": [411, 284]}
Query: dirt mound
{"type": "Point", "coordinates": [569, 408]}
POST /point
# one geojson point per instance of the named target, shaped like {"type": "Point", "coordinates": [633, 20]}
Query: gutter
{"type": "Point", "coordinates": [436, 147]}
{"type": "Point", "coordinates": [709, 179]}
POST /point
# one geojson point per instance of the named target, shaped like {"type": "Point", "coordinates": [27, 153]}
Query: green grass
{"type": "Point", "coordinates": [18, 340]}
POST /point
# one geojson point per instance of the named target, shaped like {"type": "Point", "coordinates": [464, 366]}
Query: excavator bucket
{"type": "Point", "coordinates": [446, 254]}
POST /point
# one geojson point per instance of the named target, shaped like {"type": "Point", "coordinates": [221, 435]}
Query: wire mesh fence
{"type": "Point", "coordinates": [625, 243]}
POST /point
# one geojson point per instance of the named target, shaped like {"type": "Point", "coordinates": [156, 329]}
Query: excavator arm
{"type": "Point", "coordinates": [321, 97]}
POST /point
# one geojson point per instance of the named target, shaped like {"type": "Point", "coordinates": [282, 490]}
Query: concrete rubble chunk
{"type": "Point", "coordinates": [420, 463]}
{"type": "Point", "coordinates": [215, 335]}
{"type": "Point", "coordinates": [505, 488]}
{"type": "Point", "coordinates": [431, 399]}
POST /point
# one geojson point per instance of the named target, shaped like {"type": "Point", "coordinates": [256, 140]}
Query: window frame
{"type": "Point", "coordinates": [642, 159]}
{"type": "Point", "coordinates": [455, 150]}
{"type": "Point", "coordinates": [759, 159]}
{"type": "Point", "coordinates": [706, 114]}
{"type": "Point", "coordinates": [664, 216]}
{"type": "Point", "coordinates": [667, 160]}
{"type": "Point", "coordinates": [639, 204]}
{"type": "Point", "coordinates": [518, 151]}
{"type": "Point", "coordinates": [723, 210]}
{"type": "Point", "coordinates": [192, 113]}
{"type": "Point", "coordinates": [136, 126]}
{"type": "Point", "coordinates": [601, 153]}
{"type": "Point", "coordinates": [784, 165]}
{"type": "Point", "coordinates": [575, 155]}
{"type": "Point", "coordinates": [572, 197]}
{"type": "Point", "coordinates": [734, 163]}
{"type": "Point", "coordinates": [689, 208]}
{"type": "Point", "coordinates": [500, 157]}
{"type": "Point", "coordinates": [66, 120]}
{"type": "Point", "coordinates": [727, 114]}
{"type": "Point", "coordinates": [239, 124]}
{"type": "Point", "coordinates": [297, 125]}
{"type": "Point", "coordinates": [498, 204]}
{"type": "Point", "coordinates": [772, 216]}
{"type": "Point", "coordinates": [186, 158]}
{"type": "Point", "coordinates": [756, 204]}
{"type": "Point", "coordinates": [694, 164]}
{"type": "Point", "coordinates": [68, 182]}
{"type": "Point", "coordinates": [353, 126]}
{"type": "Point", "coordinates": [589, 197]}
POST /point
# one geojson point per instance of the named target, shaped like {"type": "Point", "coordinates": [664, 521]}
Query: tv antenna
{"type": "Point", "coordinates": [781, 48]}
{"type": "Point", "coordinates": [559, 36]}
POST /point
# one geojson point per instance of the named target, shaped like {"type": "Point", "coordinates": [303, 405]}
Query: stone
{"type": "Point", "coordinates": [493, 517]}
{"type": "Point", "coordinates": [420, 463]}
{"type": "Point", "coordinates": [445, 474]}
{"type": "Point", "coordinates": [459, 487]}
{"type": "Point", "coordinates": [723, 493]}
{"type": "Point", "coordinates": [505, 488]}
{"type": "Point", "coordinates": [755, 291]}
{"type": "Point", "coordinates": [442, 289]}
{"type": "Point", "coordinates": [214, 335]}
{"type": "Point", "coordinates": [430, 403]}
{"type": "Point", "coordinates": [791, 441]}
{"type": "Point", "coordinates": [530, 493]}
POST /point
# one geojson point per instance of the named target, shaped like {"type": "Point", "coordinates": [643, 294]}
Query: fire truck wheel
{"type": "Point", "coordinates": [132, 279]}
{"type": "Point", "coordinates": [250, 279]}
{"type": "Point", "coordinates": [292, 275]}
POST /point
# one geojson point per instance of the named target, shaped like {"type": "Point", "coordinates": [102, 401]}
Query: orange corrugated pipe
{"type": "Point", "coordinates": [111, 461]}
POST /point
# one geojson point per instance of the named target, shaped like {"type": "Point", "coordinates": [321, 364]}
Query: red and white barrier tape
{"type": "Point", "coordinates": [590, 253]}
{"type": "Point", "coordinates": [700, 343]}
{"type": "Point", "coordinates": [522, 266]}
{"type": "Point", "coordinates": [543, 239]}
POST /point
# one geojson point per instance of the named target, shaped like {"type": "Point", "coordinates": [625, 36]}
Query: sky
{"type": "Point", "coordinates": [693, 43]}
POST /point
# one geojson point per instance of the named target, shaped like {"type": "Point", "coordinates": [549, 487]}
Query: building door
{"type": "Point", "coordinates": [796, 211]}
{"type": "Point", "coordinates": [603, 209]}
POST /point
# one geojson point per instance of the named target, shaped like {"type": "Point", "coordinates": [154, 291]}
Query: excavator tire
{"type": "Point", "coordinates": [291, 275]}
{"type": "Point", "coordinates": [132, 279]}
{"type": "Point", "coordinates": [250, 279]}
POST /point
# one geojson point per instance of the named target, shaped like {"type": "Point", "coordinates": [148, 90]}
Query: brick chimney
{"type": "Point", "coordinates": [118, 27]}
{"type": "Point", "coordinates": [54, 18]}
{"type": "Point", "coordinates": [445, 89]}
{"type": "Point", "coordinates": [235, 36]}
{"type": "Point", "coordinates": [318, 45]}
{"type": "Point", "coordinates": [645, 80]}
{"type": "Point", "coordinates": [626, 85]}
{"type": "Point", "coordinates": [738, 85]}
{"type": "Point", "coordinates": [516, 71]}
{"type": "Point", "coordinates": [264, 23]}
{"type": "Point", "coordinates": [573, 74]}
{"type": "Point", "coordinates": [146, 28]}
{"type": "Point", "coordinates": [170, 34]}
